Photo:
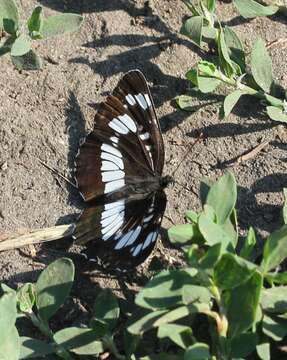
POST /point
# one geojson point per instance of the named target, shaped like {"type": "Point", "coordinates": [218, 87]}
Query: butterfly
{"type": "Point", "coordinates": [118, 171]}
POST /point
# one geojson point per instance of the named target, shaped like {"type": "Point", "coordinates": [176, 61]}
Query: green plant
{"type": "Point", "coordinates": [39, 302]}
{"type": "Point", "coordinates": [252, 8]}
{"type": "Point", "coordinates": [229, 69]}
{"type": "Point", "coordinates": [19, 44]}
{"type": "Point", "coordinates": [222, 304]}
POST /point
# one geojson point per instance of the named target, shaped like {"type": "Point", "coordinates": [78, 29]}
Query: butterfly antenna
{"type": "Point", "coordinates": [190, 146]}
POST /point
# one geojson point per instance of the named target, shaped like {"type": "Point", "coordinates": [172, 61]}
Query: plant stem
{"type": "Point", "coordinates": [110, 344]}
{"type": "Point", "coordinates": [44, 328]}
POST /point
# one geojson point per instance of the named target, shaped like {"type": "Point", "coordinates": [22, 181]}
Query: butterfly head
{"type": "Point", "coordinates": [166, 180]}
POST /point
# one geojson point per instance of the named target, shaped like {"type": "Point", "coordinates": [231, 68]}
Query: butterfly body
{"type": "Point", "coordinates": [119, 175]}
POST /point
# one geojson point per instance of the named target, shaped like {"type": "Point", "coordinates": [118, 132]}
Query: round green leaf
{"type": "Point", "coordinates": [33, 348]}
{"type": "Point", "coordinates": [198, 351]}
{"type": "Point", "coordinates": [60, 24]}
{"type": "Point", "coordinates": [193, 29]}
{"type": "Point", "coordinates": [10, 345]}
{"type": "Point", "coordinates": [81, 341]}
{"type": "Point", "coordinates": [251, 8]}
{"type": "Point", "coordinates": [230, 101]}
{"type": "Point", "coordinates": [29, 61]}
{"type": "Point", "coordinates": [9, 16]}
{"type": "Point", "coordinates": [181, 234]}
{"type": "Point", "coordinates": [231, 271]}
{"type": "Point", "coordinates": [21, 46]}
{"type": "Point", "coordinates": [26, 297]}
{"type": "Point", "coordinates": [8, 313]}
{"type": "Point", "coordinates": [106, 308]}
{"type": "Point", "coordinates": [53, 286]}
{"type": "Point", "coordinates": [261, 66]}
{"type": "Point", "coordinates": [276, 114]}
{"type": "Point", "coordinates": [274, 300]}
{"type": "Point", "coordinates": [164, 290]}
{"type": "Point", "coordinates": [222, 196]}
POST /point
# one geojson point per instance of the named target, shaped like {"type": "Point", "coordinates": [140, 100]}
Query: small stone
{"type": "Point", "coordinates": [4, 166]}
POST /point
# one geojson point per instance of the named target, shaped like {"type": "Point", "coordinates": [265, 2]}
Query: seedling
{"type": "Point", "coordinates": [221, 304]}
{"type": "Point", "coordinates": [39, 302]}
{"type": "Point", "coordinates": [19, 44]}
{"type": "Point", "coordinates": [251, 8]}
{"type": "Point", "coordinates": [229, 69]}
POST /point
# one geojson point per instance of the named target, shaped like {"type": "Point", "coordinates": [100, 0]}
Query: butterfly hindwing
{"type": "Point", "coordinates": [122, 233]}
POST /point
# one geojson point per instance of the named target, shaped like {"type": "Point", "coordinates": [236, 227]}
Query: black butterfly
{"type": "Point", "coordinates": [118, 172]}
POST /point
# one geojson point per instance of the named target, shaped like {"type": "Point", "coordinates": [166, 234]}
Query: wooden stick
{"type": "Point", "coordinates": [37, 236]}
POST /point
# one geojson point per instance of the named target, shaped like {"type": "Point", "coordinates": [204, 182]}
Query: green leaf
{"type": "Point", "coordinates": [275, 249]}
{"type": "Point", "coordinates": [106, 308]}
{"type": "Point", "coordinates": [53, 287]}
{"type": "Point", "coordinates": [81, 341]}
{"type": "Point", "coordinates": [243, 345]}
{"type": "Point", "coordinates": [249, 243]}
{"type": "Point", "coordinates": [261, 66]}
{"type": "Point", "coordinates": [263, 351]}
{"type": "Point", "coordinates": [274, 300]}
{"type": "Point", "coordinates": [245, 296]}
{"type": "Point", "coordinates": [207, 68]}
{"type": "Point", "coordinates": [33, 348]}
{"type": "Point", "coordinates": [274, 101]}
{"type": "Point", "coordinates": [26, 297]}
{"type": "Point", "coordinates": [210, 4]}
{"type": "Point", "coordinates": [193, 29]}
{"type": "Point", "coordinates": [230, 101]}
{"type": "Point", "coordinates": [35, 23]}
{"type": "Point", "coordinates": [204, 83]}
{"type": "Point", "coordinates": [61, 24]}
{"type": "Point", "coordinates": [251, 8]}
{"type": "Point", "coordinates": [276, 330]}
{"type": "Point", "coordinates": [198, 351]}
{"type": "Point", "coordinates": [130, 344]}
{"type": "Point", "coordinates": [182, 234]}
{"type": "Point", "coordinates": [181, 335]}
{"type": "Point", "coordinates": [161, 356]}
{"type": "Point", "coordinates": [284, 210]}
{"type": "Point", "coordinates": [21, 46]}
{"type": "Point", "coordinates": [192, 216]}
{"type": "Point", "coordinates": [232, 271]}
{"type": "Point", "coordinates": [276, 114]}
{"type": "Point", "coordinates": [211, 256]}
{"type": "Point", "coordinates": [195, 293]}
{"type": "Point", "coordinates": [10, 345]}
{"type": "Point", "coordinates": [185, 102]}
{"type": "Point", "coordinates": [8, 313]}
{"type": "Point", "coordinates": [139, 325]}
{"type": "Point", "coordinates": [29, 61]}
{"type": "Point", "coordinates": [222, 196]}
{"type": "Point", "coordinates": [214, 233]}
{"type": "Point", "coordinates": [164, 290]}
{"type": "Point", "coordinates": [9, 17]}
{"type": "Point", "coordinates": [235, 47]}
{"type": "Point", "coordinates": [181, 312]}
{"type": "Point", "coordinates": [277, 278]}
{"type": "Point", "coordinates": [226, 64]}
{"type": "Point", "coordinates": [209, 32]}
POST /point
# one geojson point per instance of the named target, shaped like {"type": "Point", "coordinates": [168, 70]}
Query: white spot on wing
{"type": "Point", "coordinates": [148, 218]}
{"type": "Point", "coordinates": [115, 139]}
{"type": "Point", "coordinates": [148, 240]}
{"type": "Point", "coordinates": [114, 185]}
{"type": "Point", "coordinates": [108, 220]}
{"type": "Point", "coordinates": [114, 204]}
{"type": "Point", "coordinates": [118, 126]}
{"type": "Point", "coordinates": [147, 99]}
{"type": "Point", "coordinates": [113, 230]}
{"type": "Point", "coordinates": [110, 149]}
{"type": "Point", "coordinates": [128, 122]}
{"type": "Point", "coordinates": [130, 99]}
{"type": "Point", "coordinates": [141, 100]}
{"type": "Point", "coordinates": [133, 238]}
{"type": "Point", "coordinates": [107, 228]}
{"type": "Point", "coordinates": [137, 250]}
{"type": "Point", "coordinates": [145, 136]}
{"type": "Point", "coordinates": [114, 159]}
{"type": "Point", "coordinates": [112, 175]}
{"type": "Point", "coordinates": [108, 165]}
